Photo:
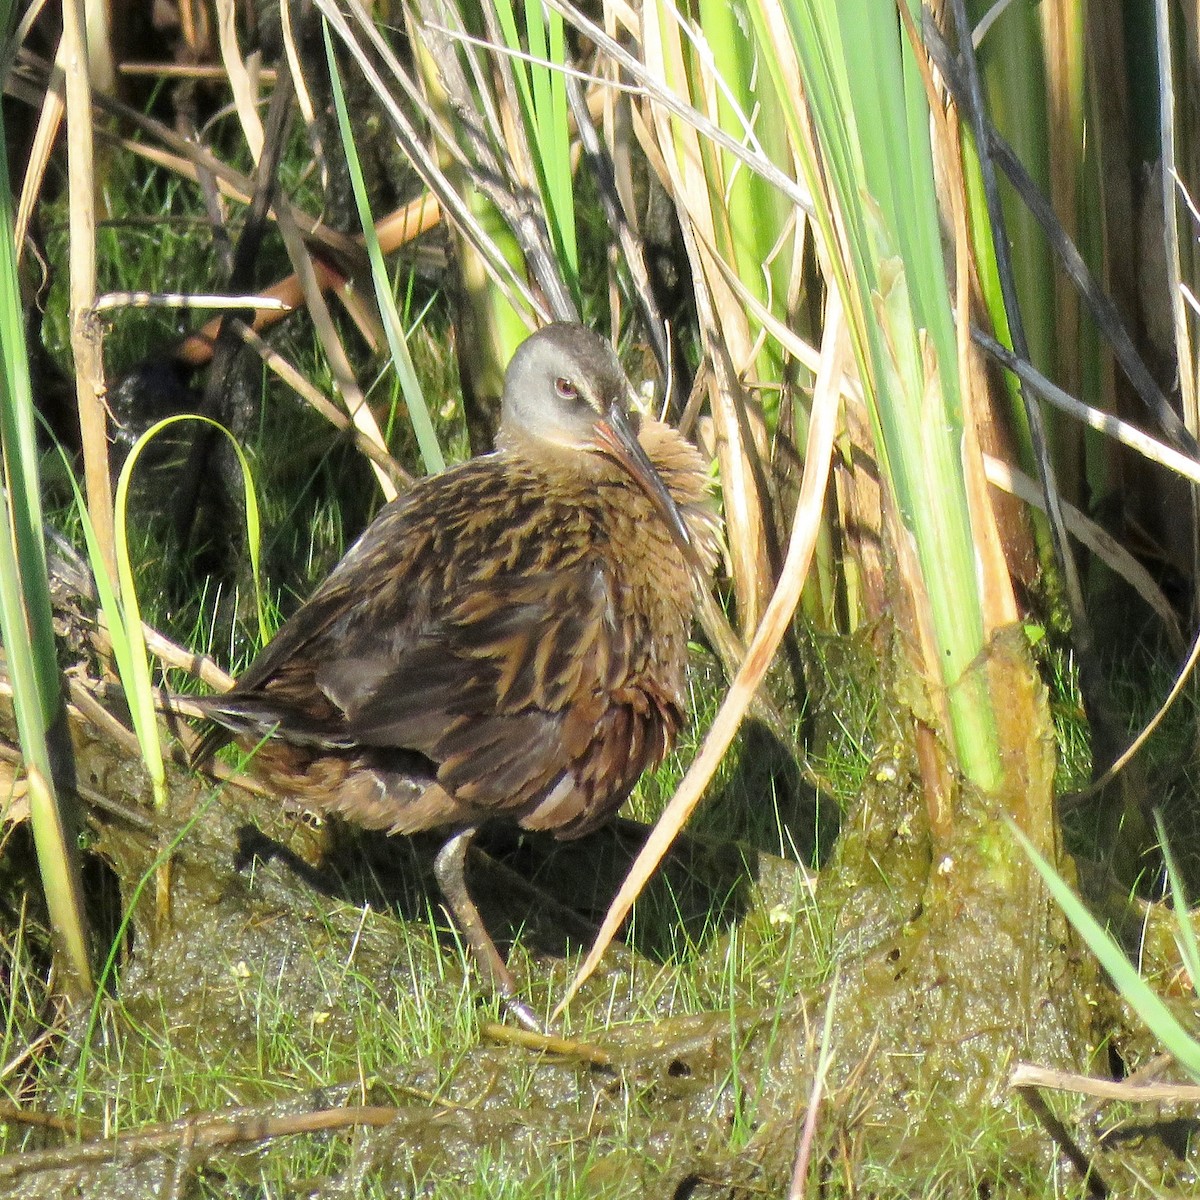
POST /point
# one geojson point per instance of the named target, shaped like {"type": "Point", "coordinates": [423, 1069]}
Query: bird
{"type": "Point", "coordinates": [507, 640]}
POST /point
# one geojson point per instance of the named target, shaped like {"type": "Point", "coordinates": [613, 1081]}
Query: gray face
{"type": "Point", "coordinates": [565, 387]}
{"type": "Point", "coordinates": [561, 381]}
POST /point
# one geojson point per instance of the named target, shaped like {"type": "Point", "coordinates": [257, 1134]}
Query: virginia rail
{"type": "Point", "coordinates": [506, 641]}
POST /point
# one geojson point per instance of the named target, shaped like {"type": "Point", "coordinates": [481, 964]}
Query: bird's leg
{"type": "Point", "coordinates": [449, 867]}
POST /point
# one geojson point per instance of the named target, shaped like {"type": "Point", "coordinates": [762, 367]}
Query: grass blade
{"type": "Point", "coordinates": [123, 611]}
{"type": "Point", "coordinates": [1183, 918]}
{"type": "Point", "coordinates": [1158, 1017]}
{"type": "Point", "coordinates": [26, 625]}
{"type": "Point", "coordinates": [414, 398]}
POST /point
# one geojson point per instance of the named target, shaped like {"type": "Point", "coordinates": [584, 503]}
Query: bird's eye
{"type": "Point", "coordinates": [566, 389]}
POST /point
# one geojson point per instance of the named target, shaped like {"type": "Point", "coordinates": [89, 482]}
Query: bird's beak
{"type": "Point", "coordinates": [617, 437]}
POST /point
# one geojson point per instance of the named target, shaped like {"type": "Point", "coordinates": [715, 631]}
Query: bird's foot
{"type": "Point", "coordinates": [523, 1014]}
{"type": "Point", "coordinates": [449, 868]}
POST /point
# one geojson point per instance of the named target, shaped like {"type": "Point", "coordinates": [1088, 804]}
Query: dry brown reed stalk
{"type": "Point", "coordinates": [395, 230]}
{"type": "Point", "coordinates": [302, 261]}
{"type": "Point", "coordinates": [694, 179]}
{"type": "Point", "coordinates": [86, 338]}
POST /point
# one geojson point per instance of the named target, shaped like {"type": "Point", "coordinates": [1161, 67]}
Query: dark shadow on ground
{"type": "Point", "coordinates": [553, 894]}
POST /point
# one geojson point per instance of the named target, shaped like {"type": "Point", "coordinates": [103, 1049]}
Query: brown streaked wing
{"type": "Point", "coordinates": [385, 550]}
{"type": "Point", "coordinates": [506, 691]}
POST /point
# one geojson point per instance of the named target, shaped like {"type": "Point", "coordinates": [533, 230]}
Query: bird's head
{"type": "Point", "coordinates": [565, 390]}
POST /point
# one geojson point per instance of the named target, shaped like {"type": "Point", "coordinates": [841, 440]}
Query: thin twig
{"type": "Point", "coordinates": [799, 1184]}
{"type": "Point", "coordinates": [172, 70]}
{"type": "Point", "coordinates": [10, 1114]}
{"type": "Point", "coordinates": [308, 392]}
{"type": "Point", "coordinates": [111, 300]}
{"type": "Point", "coordinates": [1026, 1075]}
{"type": "Point", "coordinates": [203, 1134]}
{"type": "Point", "coordinates": [529, 1039]}
{"type": "Point", "coordinates": [1062, 1138]}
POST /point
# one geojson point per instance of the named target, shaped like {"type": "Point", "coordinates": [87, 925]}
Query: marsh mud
{"type": "Point", "coordinates": [954, 961]}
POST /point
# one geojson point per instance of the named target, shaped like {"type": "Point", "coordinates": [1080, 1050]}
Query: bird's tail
{"type": "Point", "coordinates": [218, 730]}
{"type": "Point", "coordinates": [249, 718]}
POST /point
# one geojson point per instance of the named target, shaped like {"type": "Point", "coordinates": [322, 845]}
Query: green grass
{"type": "Point", "coordinates": [155, 236]}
